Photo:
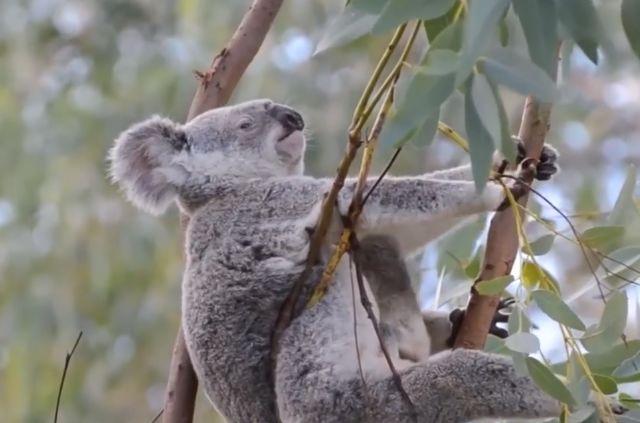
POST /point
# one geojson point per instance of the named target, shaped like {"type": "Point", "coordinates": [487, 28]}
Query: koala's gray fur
{"type": "Point", "coordinates": [237, 172]}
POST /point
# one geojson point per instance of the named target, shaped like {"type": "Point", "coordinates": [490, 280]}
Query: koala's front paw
{"type": "Point", "coordinates": [457, 316]}
{"type": "Point", "coordinates": [547, 166]}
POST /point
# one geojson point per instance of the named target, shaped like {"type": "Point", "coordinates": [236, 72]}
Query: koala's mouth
{"type": "Point", "coordinates": [286, 135]}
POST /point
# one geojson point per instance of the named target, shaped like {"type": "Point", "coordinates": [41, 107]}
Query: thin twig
{"type": "Point", "coordinates": [366, 303]}
{"type": "Point", "coordinates": [355, 329]}
{"type": "Point", "coordinates": [598, 253]}
{"type": "Point", "coordinates": [67, 360]}
{"type": "Point", "coordinates": [157, 417]}
{"type": "Point", "coordinates": [382, 175]}
{"type": "Point", "coordinates": [573, 229]}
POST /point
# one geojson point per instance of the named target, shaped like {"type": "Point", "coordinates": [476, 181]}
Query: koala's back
{"type": "Point", "coordinates": [245, 251]}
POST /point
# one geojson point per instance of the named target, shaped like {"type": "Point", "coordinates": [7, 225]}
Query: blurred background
{"type": "Point", "coordinates": [75, 256]}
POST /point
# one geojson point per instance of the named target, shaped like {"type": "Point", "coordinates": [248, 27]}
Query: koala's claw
{"type": "Point", "coordinates": [501, 318]}
{"type": "Point", "coordinates": [547, 166]}
{"type": "Point", "coordinates": [457, 315]}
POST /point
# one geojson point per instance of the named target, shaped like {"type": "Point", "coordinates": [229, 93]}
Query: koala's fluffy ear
{"type": "Point", "coordinates": [143, 163]}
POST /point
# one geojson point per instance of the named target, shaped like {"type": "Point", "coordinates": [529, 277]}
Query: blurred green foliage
{"type": "Point", "coordinates": [74, 256]}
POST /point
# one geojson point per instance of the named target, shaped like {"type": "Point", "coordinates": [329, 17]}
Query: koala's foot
{"type": "Point", "coordinates": [501, 316]}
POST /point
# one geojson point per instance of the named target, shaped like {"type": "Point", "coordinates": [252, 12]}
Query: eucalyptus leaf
{"type": "Point", "coordinates": [518, 321]}
{"type": "Point", "coordinates": [425, 134]}
{"type": "Point", "coordinates": [433, 27]}
{"type": "Point", "coordinates": [606, 384]}
{"type": "Point", "coordinates": [582, 415]}
{"type": "Point", "coordinates": [553, 306]}
{"type": "Point", "coordinates": [505, 67]}
{"type": "Point", "coordinates": [630, 12]}
{"type": "Point", "coordinates": [533, 275]}
{"type": "Point", "coordinates": [540, 246]}
{"type": "Point", "coordinates": [484, 101]}
{"type": "Point", "coordinates": [439, 62]}
{"type": "Point", "coordinates": [424, 95]}
{"type": "Point", "coordinates": [373, 7]}
{"type": "Point", "coordinates": [548, 382]}
{"type": "Point", "coordinates": [481, 145]}
{"type": "Point", "coordinates": [523, 342]}
{"type": "Point", "coordinates": [600, 237]}
{"type": "Point", "coordinates": [539, 21]}
{"type": "Point", "coordinates": [629, 401]}
{"type": "Point", "coordinates": [495, 345]}
{"type": "Point", "coordinates": [622, 265]}
{"type": "Point", "coordinates": [397, 12]}
{"type": "Point", "coordinates": [625, 211]}
{"type": "Point", "coordinates": [347, 27]}
{"type": "Point", "coordinates": [580, 19]}
{"type": "Point", "coordinates": [506, 145]}
{"type": "Point", "coordinates": [493, 286]}
{"type": "Point", "coordinates": [480, 23]}
{"type": "Point", "coordinates": [629, 367]}
{"type": "Point", "coordinates": [606, 361]}
{"type": "Point", "coordinates": [611, 326]}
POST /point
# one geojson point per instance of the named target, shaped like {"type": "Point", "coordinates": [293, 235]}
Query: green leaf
{"type": "Point", "coordinates": [459, 245]}
{"type": "Point", "coordinates": [606, 384]}
{"type": "Point", "coordinates": [548, 382]}
{"type": "Point", "coordinates": [538, 20]}
{"type": "Point", "coordinates": [349, 26]}
{"type": "Point", "coordinates": [506, 144]}
{"type": "Point", "coordinates": [439, 62]}
{"type": "Point", "coordinates": [580, 19]}
{"type": "Point", "coordinates": [480, 142]}
{"type": "Point", "coordinates": [480, 24]}
{"type": "Point", "coordinates": [630, 12]}
{"type": "Point", "coordinates": [629, 401]}
{"type": "Point", "coordinates": [608, 360]}
{"type": "Point", "coordinates": [425, 92]}
{"type": "Point", "coordinates": [427, 131]}
{"type": "Point", "coordinates": [523, 342]}
{"type": "Point", "coordinates": [494, 286]}
{"type": "Point", "coordinates": [582, 415]}
{"type": "Point", "coordinates": [553, 306]}
{"type": "Point", "coordinates": [623, 265]}
{"type": "Point", "coordinates": [629, 367]}
{"type": "Point", "coordinates": [532, 275]}
{"type": "Point", "coordinates": [397, 12]}
{"type": "Point", "coordinates": [625, 212]}
{"type": "Point", "coordinates": [433, 27]}
{"type": "Point", "coordinates": [518, 321]}
{"type": "Point", "coordinates": [495, 345]}
{"type": "Point", "coordinates": [373, 7]}
{"type": "Point", "coordinates": [540, 246]}
{"type": "Point", "coordinates": [611, 326]}
{"type": "Point", "coordinates": [484, 100]}
{"type": "Point", "coordinates": [600, 237]}
{"type": "Point", "coordinates": [503, 31]}
{"type": "Point", "coordinates": [507, 68]}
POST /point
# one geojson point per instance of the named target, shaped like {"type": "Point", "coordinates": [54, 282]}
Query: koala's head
{"type": "Point", "coordinates": [154, 158]}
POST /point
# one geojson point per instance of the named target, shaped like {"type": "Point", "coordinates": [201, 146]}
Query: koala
{"type": "Point", "coordinates": [237, 172]}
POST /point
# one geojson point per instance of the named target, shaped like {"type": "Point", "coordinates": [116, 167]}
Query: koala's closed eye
{"type": "Point", "coordinates": [246, 124]}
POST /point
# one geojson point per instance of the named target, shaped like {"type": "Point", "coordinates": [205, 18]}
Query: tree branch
{"type": "Point", "coordinates": [502, 241]}
{"type": "Point", "coordinates": [215, 88]}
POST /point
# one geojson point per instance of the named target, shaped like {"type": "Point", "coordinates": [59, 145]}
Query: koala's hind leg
{"type": "Point", "coordinates": [384, 268]}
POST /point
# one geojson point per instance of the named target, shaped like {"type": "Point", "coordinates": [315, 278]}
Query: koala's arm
{"type": "Point", "coordinates": [416, 210]}
{"type": "Point", "coordinates": [378, 258]}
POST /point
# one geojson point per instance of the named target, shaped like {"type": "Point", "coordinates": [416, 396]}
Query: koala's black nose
{"type": "Point", "coordinates": [287, 117]}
